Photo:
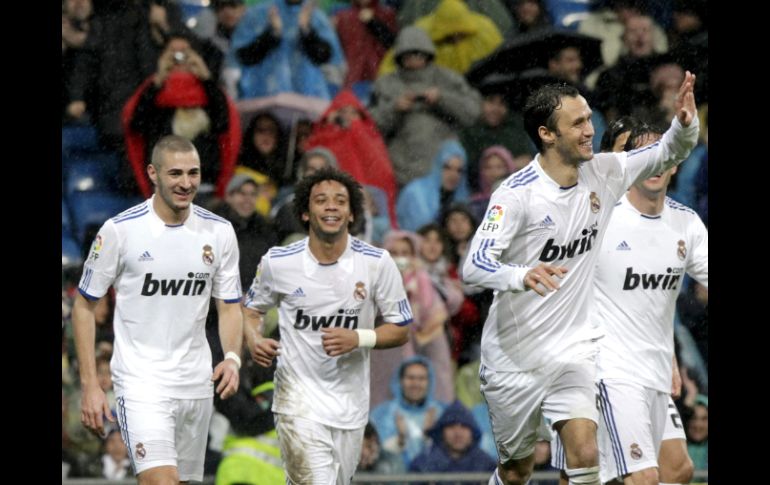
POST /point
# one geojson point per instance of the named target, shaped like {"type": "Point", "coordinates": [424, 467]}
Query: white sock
{"type": "Point", "coordinates": [583, 476]}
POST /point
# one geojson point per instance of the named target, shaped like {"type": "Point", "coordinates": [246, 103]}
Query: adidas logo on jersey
{"type": "Point", "coordinates": [345, 318]}
{"type": "Point", "coordinates": [553, 252]}
{"type": "Point", "coordinates": [298, 292]}
{"type": "Point", "coordinates": [146, 257]}
{"type": "Point", "coordinates": [623, 246]}
{"type": "Point", "coordinates": [187, 287]}
{"type": "Point", "coordinates": [651, 281]}
{"type": "Point", "coordinates": [547, 222]}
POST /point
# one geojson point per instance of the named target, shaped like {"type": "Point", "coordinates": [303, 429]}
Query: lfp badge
{"type": "Point", "coordinates": [493, 221]}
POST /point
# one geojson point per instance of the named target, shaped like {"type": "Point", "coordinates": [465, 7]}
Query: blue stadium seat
{"type": "Point", "coordinates": [90, 172]}
{"type": "Point", "coordinates": [70, 253]}
{"type": "Point", "coordinates": [66, 224]}
{"type": "Point", "coordinates": [92, 208]}
{"type": "Point", "coordinates": [78, 138]}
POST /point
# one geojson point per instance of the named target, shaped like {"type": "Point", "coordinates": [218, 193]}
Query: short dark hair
{"type": "Point", "coordinates": [540, 107]}
{"type": "Point", "coordinates": [170, 143]}
{"type": "Point", "coordinates": [618, 127]}
{"type": "Point", "coordinates": [640, 131]}
{"type": "Point", "coordinates": [305, 186]}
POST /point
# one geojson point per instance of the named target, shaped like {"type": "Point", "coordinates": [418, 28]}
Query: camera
{"type": "Point", "coordinates": [179, 57]}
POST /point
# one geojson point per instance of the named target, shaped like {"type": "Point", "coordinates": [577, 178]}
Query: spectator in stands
{"type": "Point", "coordinates": [698, 433]}
{"type": "Point", "coordinates": [402, 421]}
{"type": "Point", "coordinates": [264, 148]}
{"type": "Point", "coordinates": [182, 98]}
{"type": "Point", "coordinates": [423, 200]}
{"type": "Point", "coordinates": [215, 26]}
{"type": "Point", "coordinates": [122, 49]}
{"type": "Point", "coordinates": [375, 459]}
{"type": "Point", "coordinates": [349, 132]}
{"type": "Point", "coordinates": [411, 10]}
{"type": "Point", "coordinates": [498, 125]}
{"type": "Point", "coordinates": [420, 105]}
{"type": "Point", "coordinates": [495, 164]}
{"type": "Point", "coordinates": [366, 30]}
{"type": "Point", "coordinates": [281, 46]}
{"type": "Point", "coordinates": [116, 464]}
{"type": "Point", "coordinates": [455, 445]}
{"type": "Point", "coordinates": [75, 24]}
{"type": "Point", "coordinates": [530, 15]}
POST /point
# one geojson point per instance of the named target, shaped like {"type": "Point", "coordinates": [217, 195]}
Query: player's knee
{"type": "Point", "coordinates": [586, 455]}
{"type": "Point", "coordinates": [584, 475]}
{"type": "Point", "coordinates": [683, 472]}
{"type": "Point", "coordinates": [515, 476]}
{"type": "Point", "coordinates": [648, 476]}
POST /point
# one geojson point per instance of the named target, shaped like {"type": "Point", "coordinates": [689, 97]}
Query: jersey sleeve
{"type": "Point", "coordinates": [262, 295]}
{"type": "Point", "coordinates": [227, 280]}
{"type": "Point", "coordinates": [503, 219]}
{"type": "Point", "coordinates": [670, 150]}
{"type": "Point", "coordinates": [698, 262]}
{"type": "Point", "coordinates": [389, 293]}
{"type": "Point", "coordinates": [101, 267]}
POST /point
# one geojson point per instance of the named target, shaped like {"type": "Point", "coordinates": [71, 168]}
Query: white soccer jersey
{"type": "Point", "coordinates": [532, 220]}
{"type": "Point", "coordinates": [164, 277]}
{"type": "Point", "coordinates": [638, 278]}
{"type": "Point", "coordinates": [310, 296]}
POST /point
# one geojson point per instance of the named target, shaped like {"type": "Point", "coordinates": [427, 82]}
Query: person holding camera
{"type": "Point", "coordinates": [420, 105]}
{"type": "Point", "coordinates": [182, 98]}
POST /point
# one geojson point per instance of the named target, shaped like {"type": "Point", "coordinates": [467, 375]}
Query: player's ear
{"type": "Point", "coordinates": [152, 173]}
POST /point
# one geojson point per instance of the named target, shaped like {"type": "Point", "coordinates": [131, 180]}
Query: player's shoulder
{"type": "Point", "coordinates": [680, 212]}
{"type": "Point", "coordinates": [209, 218]}
{"type": "Point", "coordinates": [131, 215]}
{"type": "Point", "coordinates": [284, 254]}
{"type": "Point", "coordinates": [365, 249]}
{"type": "Point", "coordinates": [518, 182]}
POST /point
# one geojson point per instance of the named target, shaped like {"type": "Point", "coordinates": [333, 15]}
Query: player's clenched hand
{"type": "Point", "coordinates": [93, 408]}
{"type": "Point", "coordinates": [263, 351]}
{"type": "Point", "coordinates": [542, 279]}
{"type": "Point", "coordinates": [338, 341]}
{"type": "Point", "coordinates": [228, 371]}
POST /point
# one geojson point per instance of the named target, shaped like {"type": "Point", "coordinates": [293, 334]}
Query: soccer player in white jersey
{"type": "Point", "coordinates": [651, 242]}
{"type": "Point", "coordinates": [328, 288]}
{"type": "Point", "coordinates": [165, 258]}
{"type": "Point", "coordinates": [546, 221]}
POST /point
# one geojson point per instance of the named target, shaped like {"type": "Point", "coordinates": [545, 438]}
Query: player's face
{"type": "Point", "coordinates": [574, 131]}
{"type": "Point", "coordinates": [415, 383]}
{"type": "Point", "coordinates": [329, 210]}
{"type": "Point", "coordinates": [177, 180]}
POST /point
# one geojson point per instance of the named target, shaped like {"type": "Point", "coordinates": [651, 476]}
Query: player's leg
{"type": "Point", "coordinates": [514, 401]}
{"type": "Point", "coordinates": [347, 452]}
{"type": "Point", "coordinates": [307, 451]}
{"type": "Point", "coordinates": [631, 428]}
{"type": "Point", "coordinates": [147, 429]}
{"type": "Point", "coordinates": [676, 467]}
{"type": "Point", "coordinates": [570, 404]}
{"type": "Point", "coordinates": [192, 429]}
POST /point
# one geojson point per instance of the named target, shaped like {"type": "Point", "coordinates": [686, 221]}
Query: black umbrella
{"type": "Point", "coordinates": [517, 87]}
{"type": "Point", "coordinates": [534, 49]}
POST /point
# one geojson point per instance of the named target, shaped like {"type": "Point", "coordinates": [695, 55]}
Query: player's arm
{"type": "Point", "coordinates": [231, 336]}
{"type": "Point", "coordinates": [263, 350]}
{"type": "Point", "coordinates": [676, 143]}
{"type": "Point", "coordinates": [676, 379]}
{"type": "Point", "coordinates": [94, 405]}
{"type": "Point", "coordinates": [483, 267]}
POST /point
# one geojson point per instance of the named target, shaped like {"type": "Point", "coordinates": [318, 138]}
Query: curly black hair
{"type": "Point", "coordinates": [540, 107]}
{"type": "Point", "coordinates": [305, 186]}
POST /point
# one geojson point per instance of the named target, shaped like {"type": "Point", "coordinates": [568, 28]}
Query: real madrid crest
{"type": "Point", "coordinates": [140, 451]}
{"type": "Point", "coordinates": [596, 204]}
{"type": "Point", "coordinates": [208, 255]}
{"type": "Point", "coordinates": [636, 452]}
{"type": "Point", "coordinates": [360, 292]}
{"type": "Point", "coordinates": [681, 250]}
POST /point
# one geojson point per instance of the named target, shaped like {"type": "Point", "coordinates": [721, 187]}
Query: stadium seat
{"type": "Point", "coordinates": [78, 138]}
{"type": "Point", "coordinates": [70, 253]}
{"type": "Point", "coordinates": [91, 208]}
